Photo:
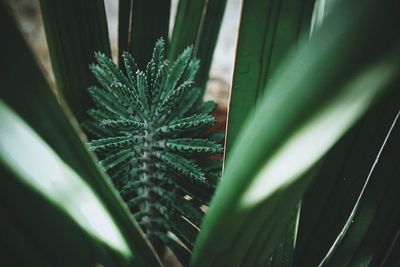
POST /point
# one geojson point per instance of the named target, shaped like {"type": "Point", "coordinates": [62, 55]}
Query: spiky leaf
{"type": "Point", "coordinates": [148, 126]}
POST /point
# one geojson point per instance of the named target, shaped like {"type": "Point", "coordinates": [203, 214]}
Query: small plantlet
{"type": "Point", "coordinates": [150, 132]}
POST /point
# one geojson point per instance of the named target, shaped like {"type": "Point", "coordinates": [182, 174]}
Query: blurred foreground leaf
{"type": "Point", "coordinates": [28, 94]}
{"type": "Point", "coordinates": [75, 29]}
{"type": "Point", "coordinates": [320, 92]}
{"type": "Point", "coordinates": [33, 174]}
{"type": "Point", "coordinates": [269, 30]}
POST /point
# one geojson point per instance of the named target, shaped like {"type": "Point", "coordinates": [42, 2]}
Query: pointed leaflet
{"type": "Point", "coordinates": [180, 164]}
{"type": "Point", "coordinates": [112, 70]}
{"type": "Point", "coordinates": [173, 99]}
{"type": "Point", "coordinates": [207, 107]}
{"type": "Point", "coordinates": [189, 103]}
{"type": "Point", "coordinates": [115, 159]}
{"type": "Point", "coordinates": [155, 62]}
{"type": "Point", "coordinates": [191, 123]}
{"type": "Point", "coordinates": [177, 71]}
{"type": "Point", "coordinates": [143, 90]}
{"type": "Point", "coordinates": [130, 67]}
{"type": "Point", "coordinates": [110, 143]}
{"type": "Point", "coordinates": [191, 145]}
{"type": "Point", "coordinates": [123, 124]}
{"type": "Point", "coordinates": [192, 69]}
{"type": "Point", "coordinates": [107, 101]}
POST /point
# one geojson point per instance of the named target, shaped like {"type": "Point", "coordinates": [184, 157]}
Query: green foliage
{"type": "Point", "coordinates": [187, 25]}
{"type": "Point", "coordinates": [38, 228]}
{"type": "Point", "coordinates": [279, 24]}
{"type": "Point", "coordinates": [314, 138]}
{"type": "Point", "coordinates": [359, 148]}
{"type": "Point", "coordinates": [149, 21]}
{"type": "Point", "coordinates": [314, 98]}
{"type": "Point", "coordinates": [208, 35]}
{"type": "Point", "coordinates": [74, 29]}
{"type": "Point", "coordinates": [149, 128]}
{"type": "Point", "coordinates": [198, 22]}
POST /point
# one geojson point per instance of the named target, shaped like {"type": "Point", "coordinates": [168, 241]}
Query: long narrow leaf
{"type": "Point", "coordinates": [311, 103]}
{"type": "Point", "coordinates": [124, 23]}
{"type": "Point", "coordinates": [330, 199]}
{"type": "Point", "coordinates": [187, 25]}
{"type": "Point", "coordinates": [74, 31]}
{"type": "Point", "coordinates": [73, 215]}
{"type": "Point", "coordinates": [373, 215]}
{"type": "Point", "coordinates": [32, 99]}
{"type": "Point", "coordinates": [207, 37]}
{"type": "Point", "coordinates": [268, 30]}
{"type": "Point", "coordinates": [149, 22]}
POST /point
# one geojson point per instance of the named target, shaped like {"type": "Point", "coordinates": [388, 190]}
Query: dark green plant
{"type": "Point", "coordinates": [149, 128]}
{"type": "Point", "coordinates": [325, 134]}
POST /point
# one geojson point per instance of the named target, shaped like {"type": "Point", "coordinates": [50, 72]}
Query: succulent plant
{"type": "Point", "coordinates": [151, 133]}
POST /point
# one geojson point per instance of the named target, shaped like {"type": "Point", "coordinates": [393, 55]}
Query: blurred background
{"type": "Point", "coordinates": [29, 19]}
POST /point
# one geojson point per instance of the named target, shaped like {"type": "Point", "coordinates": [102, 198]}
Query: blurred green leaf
{"type": "Point", "coordinates": [29, 95]}
{"type": "Point", "coordinates": [34, 174]}
{"type": "Point", "coordinates": [124, 22]}
{"type": "Point", "coordinates": [388, 254]}
{"type": "Point", "coordinates": [320, 92]}
{"type": "Point", "coordinates": [75, 29]}
{"type": "Point", "coordinates": [284, 251]}
{"type": "Point", "coordinates": [207, 37]}
{"type": "Point", "coordinates": [149, 22]}
{"type": "Point", "coordinates": [318, 15]}
{"type": "Point", "coordinates": [186, 27]}
{"type": "Point", "coordinates": [198, 23]}
{"type": "Point", "coordinates": [373, 214]}
{"type": "Point", "coordinates": [268, 31]}
{"type": "Point", "coordinates": [332, 196]}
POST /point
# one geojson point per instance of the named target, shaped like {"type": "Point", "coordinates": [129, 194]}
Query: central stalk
{"type": "Point", "coordinates": [153, 218]}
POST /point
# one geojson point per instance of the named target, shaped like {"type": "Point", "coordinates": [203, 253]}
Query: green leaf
{"type": "Point", "coordinates": [32, 99]}
{"type": "Point", "coordinates": [374, 213]}
{"type": "Point", "coordinates": [208, 107]}
{"type": "Point", "coordinates": [207, 37]}
{"type": "Point", "coordinates": [388, 256]}
{"type": "Point", "coordinates": [186, 27]}
{"type": "Point", "coordinates": [173, 98]}
{"type": "Point", "coordinates": [197, 23]}
{"type": "Point", "coordinates": [116, 159]}
{"type": "Point", "coordinates": [74, 31]}
{"type": "Point", "coordinates": [177, 70]}
{"type": "Point", "coordinates": [109, 67]}
{"type": "Point", "coordinates": [332, 196]}
{"type": "Point", "coordinates": [269, 29]}
{"type": "Point", "coordinates": [318, 15]}
{"type": "Point", "coordinates": [194, 122]}
{"type": "Point", "coordinates": [29, 165]}
{"type": "Point", "coordinates": [150, 21]}
{"type": "Point", "coordinates": [283, 253]}
{"type": "Point", "coordinates": [124, 124]}
{"type": "Point", "coordinates": [130, 67]}
{"type": "Point", "coordinates": [124, 16]}
{"type": "Point", "coordinates": [192, 145]}
{"type": "Point", "coordinates": [181, 165]}
{"type": "Point", "coordinates": [313, 100]}
{"type": "Point", "coordinates": [111, 143]}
